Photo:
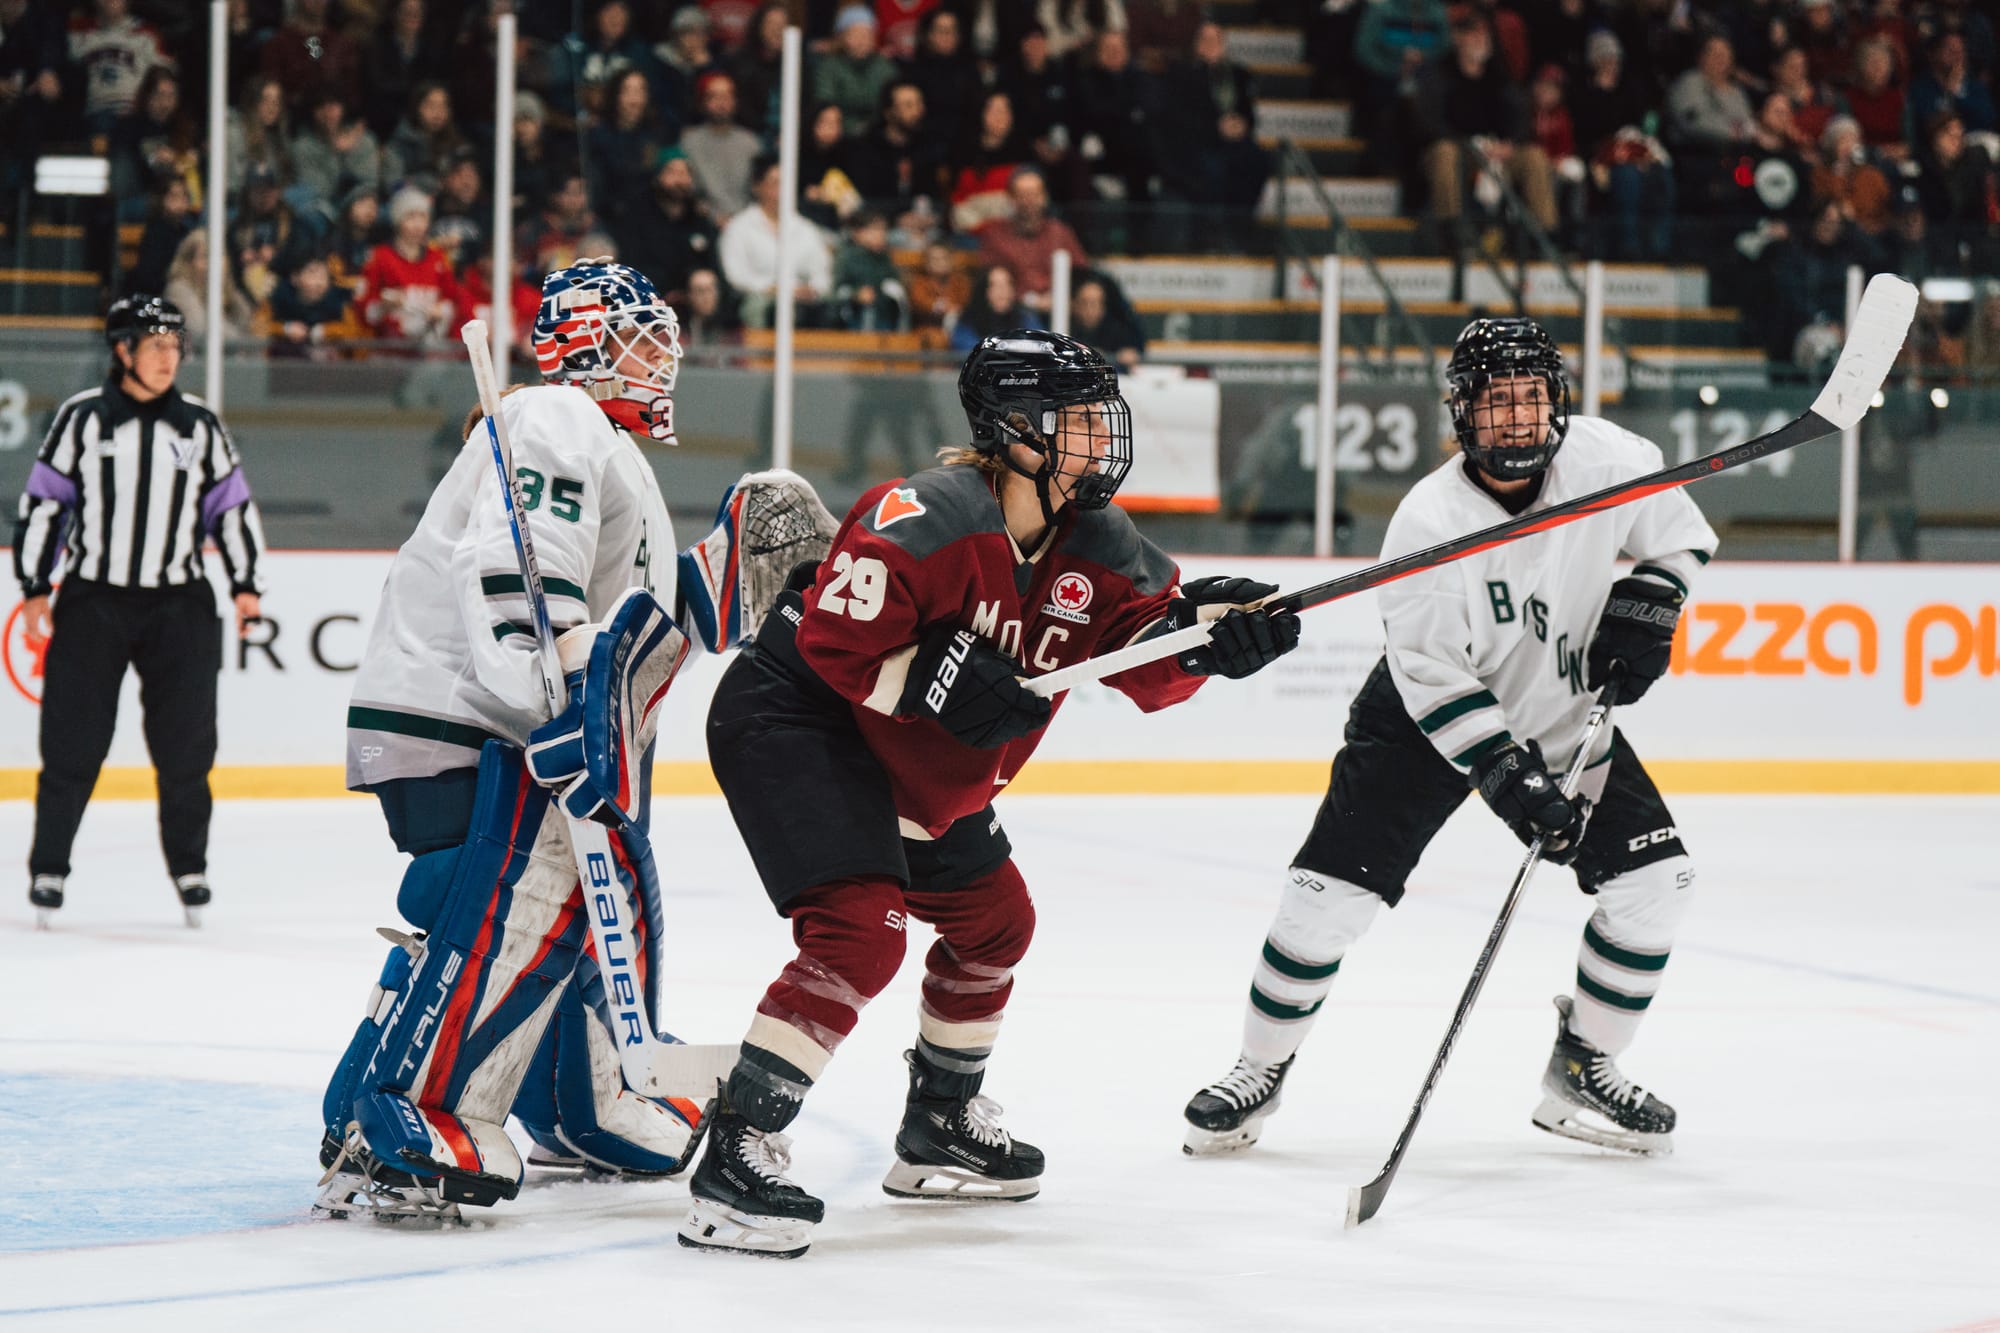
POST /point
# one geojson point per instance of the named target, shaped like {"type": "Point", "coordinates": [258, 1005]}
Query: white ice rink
{"type": "Point", "coordinates": [1830, 1032]}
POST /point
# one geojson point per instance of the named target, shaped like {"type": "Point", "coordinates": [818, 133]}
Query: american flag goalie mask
{"type": "Point", "coordinates": [604, 329]}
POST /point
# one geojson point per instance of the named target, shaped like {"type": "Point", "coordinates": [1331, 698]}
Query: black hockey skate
{"type": "Point", "coordinates": [953, 1148]}
{"type": "Point", "coordinates": [739, 1196]}
{"type": "Point", "coordinates": [45, 892]}
{"type": "Point", "coordinates": [1229, 1113]}
{"type": "Point", "coordinates": [1587, 1099]}
{"type": "Point", "coordinates": [194, 894]}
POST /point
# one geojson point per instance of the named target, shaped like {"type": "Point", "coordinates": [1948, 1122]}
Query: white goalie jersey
{"type": "Point", "coordinates": [1492, 648]}
{"type": "Point", "coordinates": [451, 659]}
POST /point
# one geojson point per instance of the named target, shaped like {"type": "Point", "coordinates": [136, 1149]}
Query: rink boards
{"type": "Point", "coordinates": [1786, 678]}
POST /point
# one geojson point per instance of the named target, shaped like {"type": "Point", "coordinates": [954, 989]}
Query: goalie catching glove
{"type": "Point", "coordinates": [768, 523]}
{"type": "Point", "coordinates": [971, 689]}
{"type": "Point", "coordinates": [1518, 787]}
{"type": "Point", "coordinates": [592, 753]}
{"type": "Point", "coordinates": [1241, 641]}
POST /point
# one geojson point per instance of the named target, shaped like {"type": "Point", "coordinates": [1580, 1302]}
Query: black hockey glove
{"type": "Point", "coordinates": [1521, 791]}
{"type": "Point", "coordinates": [1637, 629]}
{"type": "Point", "coordinates": [972, 690]}
{"type": "Point", "coordinates": [1242, 642]}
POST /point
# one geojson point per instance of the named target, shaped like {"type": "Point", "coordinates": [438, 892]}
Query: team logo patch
{"type": "Point", "coordinates": [1070, 598]}
{"type": "Point", "coordinates": [23, 656]}
{"type": "Point", "coordinates": [897, 505]}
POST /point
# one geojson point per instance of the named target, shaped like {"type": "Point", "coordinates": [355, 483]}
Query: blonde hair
{"type": "Point", "coordinates": [967, 456]}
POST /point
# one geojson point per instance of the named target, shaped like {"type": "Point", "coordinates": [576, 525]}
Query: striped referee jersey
{"type": "Point", "coordinates": [124, 492]}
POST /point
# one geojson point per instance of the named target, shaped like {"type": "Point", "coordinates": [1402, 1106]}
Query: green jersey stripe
{"type": "Point", "coordinates": [423, 728]}
{"type": "Point", "coordinates": [1480, 753]}
{"type": "Point", "coordinates": [1666, 576]}
{"type": "Point", "coordinates": [499, 585]}
{"type": "Point", "coordinates": [1438, 718]}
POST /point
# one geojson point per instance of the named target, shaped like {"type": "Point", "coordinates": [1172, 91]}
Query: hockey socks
{"type": "Point", "coordinates": [1623, 956]}
{"type": "Point", "coordinates": [1319, 917]}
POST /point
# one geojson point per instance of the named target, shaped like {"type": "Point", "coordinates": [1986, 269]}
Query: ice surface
{"type": "Point", "coordinates": [1828, 1031]}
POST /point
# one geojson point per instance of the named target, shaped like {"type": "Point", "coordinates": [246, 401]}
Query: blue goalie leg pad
{"type": "Point", "coordinates": [452, 1041]}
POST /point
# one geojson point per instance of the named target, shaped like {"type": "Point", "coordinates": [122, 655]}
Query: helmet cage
{"type": "Point", "coordinates": [594, 314]}
{"type": "Point", "coordinates": [1500, 349]}
{"type": "Point", "coordinates": [1024, 388]}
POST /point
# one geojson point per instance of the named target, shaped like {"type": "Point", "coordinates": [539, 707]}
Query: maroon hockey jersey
{"type": "Point", "coordinates": [933, 550]}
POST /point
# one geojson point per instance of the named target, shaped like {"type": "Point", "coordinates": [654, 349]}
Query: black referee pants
{"type": "Point", "coordinates": [173, 638]}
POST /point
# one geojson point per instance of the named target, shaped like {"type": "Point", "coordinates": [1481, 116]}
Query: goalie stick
{"type": "Point", "coordinates": [1363, 1201]}
{"type": "Point", "coordinates": [653, 1067]}
{"type": "Point", "coordinates": [1880, 323]}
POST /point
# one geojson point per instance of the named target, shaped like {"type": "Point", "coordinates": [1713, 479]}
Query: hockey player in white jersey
{"type": "Point", "coordinates": [492, 1003]}
{"type": "Point", "coordinates": [1492, 664]}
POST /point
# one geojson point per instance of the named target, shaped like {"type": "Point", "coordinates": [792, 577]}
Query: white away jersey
{"type": "Point", "coordinates": [451, 660]}
{"type": "Point", "coordinates": [1491, 648]}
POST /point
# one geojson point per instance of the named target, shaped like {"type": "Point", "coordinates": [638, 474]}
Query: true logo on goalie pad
{"type": "Point", "coordinates": [897, 505]}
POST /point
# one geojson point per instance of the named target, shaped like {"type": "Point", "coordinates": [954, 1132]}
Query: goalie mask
{"type": "Point", "coordinates": [1060, 399]}
{"type": "Point", "coordinates": [604, 329]}
{"type": "Point", "coordinates": [1509, 401]}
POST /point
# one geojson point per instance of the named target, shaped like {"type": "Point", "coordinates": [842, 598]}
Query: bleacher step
{"type": "Point", "coordinates": [1258, 45]}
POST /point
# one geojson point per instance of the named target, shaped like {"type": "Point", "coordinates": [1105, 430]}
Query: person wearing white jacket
{"type": "Point", "coordinates": [1493, 663]}
{"type": "Point", "coordinates": [749, 249]}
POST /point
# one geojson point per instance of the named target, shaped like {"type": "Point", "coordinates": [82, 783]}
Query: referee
{"type": "Point", "coordinates": [131, 479]}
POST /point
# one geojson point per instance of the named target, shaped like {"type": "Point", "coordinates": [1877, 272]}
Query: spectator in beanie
{"type": "Point", "coordinates": [853, 74]}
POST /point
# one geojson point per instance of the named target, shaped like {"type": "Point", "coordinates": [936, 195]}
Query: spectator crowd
{"type": "Point", "coordinates": [950, 148]}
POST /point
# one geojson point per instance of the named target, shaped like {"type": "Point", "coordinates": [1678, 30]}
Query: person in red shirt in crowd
{"type": "Point", "coordinates": [898, 21]}
{"type": "Point", "coordinates": [475, 291]}
{"type": "Point", "coordinates": [1026, 242]}
{"type": "Point", "coordinates": [861, 736]}
{"type": "Point", "coordinates": [407, 288]}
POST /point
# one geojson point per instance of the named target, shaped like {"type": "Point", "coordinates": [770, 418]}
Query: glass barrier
{"type": "Point", "coordinates": [344, 453]}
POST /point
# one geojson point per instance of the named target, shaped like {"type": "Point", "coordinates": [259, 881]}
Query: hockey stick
{"type": "Point", "coordinates": [653, 1067]}
{"type": "Point", "coordinates": [1364, 1201]}
{"type": "Point", "coordinates": [1873, 341]}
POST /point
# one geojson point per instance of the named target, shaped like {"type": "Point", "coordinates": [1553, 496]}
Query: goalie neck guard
{"type": "Point", "coordinates": [1018, 387]}
{"type": "Point", "coordinates": [1490, 350]}
{"type": "Point", "coordinates": [603, 328]}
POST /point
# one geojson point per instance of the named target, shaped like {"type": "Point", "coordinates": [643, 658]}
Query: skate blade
{"type": "Point", "coordinates": [344, 1194]}
{"type": "Point", "coordinates": [1566, 1120]}
{"type": "Point", "coordinates": [1221, 1142]}
{"type": "Point", "coordinates": [716, 1226]}
{"type": "Point", "coordinates": [45, 918]}
{"type": "Point", "coordinates": [544, 1160]}
{"type": "Point", "coordinates": [193, 917]}
{"type": "Point", "coordinates": [955, 1184]}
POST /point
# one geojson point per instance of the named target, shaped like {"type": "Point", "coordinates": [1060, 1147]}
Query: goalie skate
{"type": "Point", "coordinates": [1586, 1098]}
{"type": "Point", "coordinates": [356, 1181]}
{"type": "Point", "coordinates": [1229, 1114]}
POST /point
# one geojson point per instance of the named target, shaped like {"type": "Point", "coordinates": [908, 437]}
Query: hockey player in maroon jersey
{"type": "Point", "coordinates": [860, 740]}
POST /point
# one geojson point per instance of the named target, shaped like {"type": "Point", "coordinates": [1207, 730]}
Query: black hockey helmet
{"type": "Point", "coordinates": [1489, 349]}
{"type": "Point", "coordinates": [1014, 387]}
{"type": "Point", "coordinates": [134, 317]}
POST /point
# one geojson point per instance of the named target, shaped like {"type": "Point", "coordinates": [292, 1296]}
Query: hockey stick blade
{"type": "Point", "coordinates": [1880, 324]}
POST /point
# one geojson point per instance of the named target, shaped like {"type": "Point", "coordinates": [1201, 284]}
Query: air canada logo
{"type": "Point", "coordinates": [897, 505]}
{"type": "Point", "coordinates": [1070, 598]}
{"type": "Point", "coordinates": [24, 656]}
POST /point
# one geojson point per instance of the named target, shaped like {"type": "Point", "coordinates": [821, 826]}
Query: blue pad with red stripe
{"type": "Point", "coordinates": [459, 1012]}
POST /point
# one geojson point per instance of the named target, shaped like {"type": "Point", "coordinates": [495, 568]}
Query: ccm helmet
{"type": "Point", "coordinates": [592, 314]}
{"type": "Point", "coordinates": [1015, 387]}
{"type": "Point", "coordinates": [1500, 349]}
